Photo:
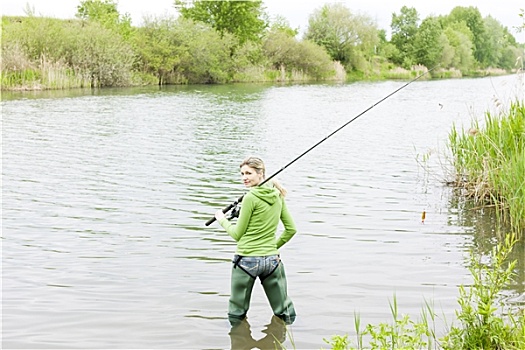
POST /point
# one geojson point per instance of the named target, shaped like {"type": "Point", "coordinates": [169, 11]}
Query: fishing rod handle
{"type": "Point", "coordinates": [224, 210]}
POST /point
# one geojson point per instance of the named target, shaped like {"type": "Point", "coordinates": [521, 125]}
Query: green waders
{"type": "Point", "coordinates": [274, 286]}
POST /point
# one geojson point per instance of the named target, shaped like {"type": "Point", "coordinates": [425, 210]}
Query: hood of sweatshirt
{"type": "Point", "coordinates": [266, 192]}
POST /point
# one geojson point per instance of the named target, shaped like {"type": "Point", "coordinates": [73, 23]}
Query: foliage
{"type": "Point", "coordinates": [490, 162]}
{"type": "Point", "coordinates": [472, 18]}
{"type": "Point", "coordinates": [461, 48]}
{"type": "Point", "coordinates": [403, 333]}
{"type": "Point", "coordinates": [404, 29]}
{"type": "Point", "coordinates": [208, 59]}
{"type": "Point", "coordinates": [284, 51]}
{"type": "Point", "coordinates": [106, 13]}
{"type": "Point", "coordinates": [180, 50]}
{"type": "Point", "coordinates": [338, 342]}
{"type": "Point", "coordinates": [279, 23]}
{"type": "Point", "coordinates": [499, 44]}
{"type": "Point", "coordinates": [429, 43]}
{"type": "Point", "coordinates": [249, 55]}
{"type": "Point", "coordinates": [345, 36]}
{"type": "Point", "coordinates": [91, 54]}
{"type": "Point", "coordinates": [243, 19]}
{"type": "Point", "coordinates": [97, 53]}
{"type": "Point", "coordinates": [158, 49]}
{"type": "Point", "coordinates": [226, 41]}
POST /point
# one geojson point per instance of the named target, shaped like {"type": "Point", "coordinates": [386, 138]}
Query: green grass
{"type": "Point", "coordinates": [490, 163]}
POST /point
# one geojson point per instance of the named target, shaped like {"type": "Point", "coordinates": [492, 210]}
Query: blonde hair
{"type": "Point", "coordinates": [257, 164]}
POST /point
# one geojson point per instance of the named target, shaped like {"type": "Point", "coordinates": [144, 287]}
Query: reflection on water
{"type": "Point", "coordinates": [105, 194]}
{"type": "Point", "coordinates": [487, 231]}
{"type": "Point", "coordinates": [274, 335]}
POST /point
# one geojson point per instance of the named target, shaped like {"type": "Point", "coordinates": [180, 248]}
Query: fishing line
{"type": "Point", "coordinates": [238, 200]}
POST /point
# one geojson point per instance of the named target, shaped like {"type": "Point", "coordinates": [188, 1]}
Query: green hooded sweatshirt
{"type": "Point", "coordinates": [255, 232]}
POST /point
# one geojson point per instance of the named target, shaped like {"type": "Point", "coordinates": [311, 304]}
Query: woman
{"type": "Point", "coordinates": [257, 252]}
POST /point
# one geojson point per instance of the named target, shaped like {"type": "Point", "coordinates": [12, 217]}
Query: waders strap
{"type": "Point", "coordinates": [237, 259]}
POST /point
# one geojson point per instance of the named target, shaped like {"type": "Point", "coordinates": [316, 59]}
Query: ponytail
{"type": "Point", "coordinates": [278, 186]}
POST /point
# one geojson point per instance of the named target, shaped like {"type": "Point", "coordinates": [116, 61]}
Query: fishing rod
{"type": "Point", "coordinates": [238, 200]}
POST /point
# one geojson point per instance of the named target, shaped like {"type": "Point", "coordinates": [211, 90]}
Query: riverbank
{"type": "Point", "coordinates": [57, 77]}
{"type": "Point", "coordinates": [41, 53]}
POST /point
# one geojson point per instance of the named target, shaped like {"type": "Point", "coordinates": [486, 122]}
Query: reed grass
{"type": "Point", "coordinates": [490, 163]}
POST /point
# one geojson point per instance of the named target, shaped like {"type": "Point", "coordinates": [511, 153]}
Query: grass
{"type": "Point", "coordinates": [490, 163]}
{"type": "Point", "coordinates": [484, 321]}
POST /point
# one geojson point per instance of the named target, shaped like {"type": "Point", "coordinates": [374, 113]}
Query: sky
{"type": "Point", "coordinates": [295, 11]}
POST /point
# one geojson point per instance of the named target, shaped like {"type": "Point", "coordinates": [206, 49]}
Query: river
{"type": "Point", "coordinates": [105, 195]}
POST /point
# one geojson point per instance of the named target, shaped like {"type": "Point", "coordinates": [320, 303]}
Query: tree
{"type": "Point", "coordinates": [458, 36]}
{"type": "Point", "coordinates": [404, 29]}
{"type": "Point", "coordinates": [281, 24]}
{"type": "Point", "coordinates": [105, 12]}
{"type": "Point", "coordinates": [243, 19]}
{"type": "Point", "coordinates": [184, 51]}
{"type": "Point", "coordinates": [429, 42]}
{"type": "Point", "coordinates": [345, 36]}
{"type": "Point", "coordinates": [472, 18]}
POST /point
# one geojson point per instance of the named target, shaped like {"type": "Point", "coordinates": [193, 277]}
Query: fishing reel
{"type": "Point", "coordinates": [234, 213]}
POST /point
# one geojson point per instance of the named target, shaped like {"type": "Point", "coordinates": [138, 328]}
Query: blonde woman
{"type": "Point", "coordinates": [257, 253]}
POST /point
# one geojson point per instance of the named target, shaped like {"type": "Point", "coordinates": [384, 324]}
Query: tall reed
{"type": "Point", "coordinates": [490, 163]}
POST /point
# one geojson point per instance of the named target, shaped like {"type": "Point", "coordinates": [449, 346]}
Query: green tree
{"type": "Point", "coordinates": [209, 60]}
{"type": "Point", "coordinates": [472, 18]}
{"type": "Point", "coordinates": [345, 36]}
{"type": "Point", "coordinates": [494, 41]}
{"type": "Point", "coordinates": [246, 20]}
{"type": "Point", "coordinates": [429, 42]}
{"type": "Point", "coordinates": [106, 13]}
{"type": "Point", "coordinates": [280, 23]}
{"type": "Point", "coordinates": [404, 29]}
{"type": "Point", "coordinates": [503, 51]}
{"type": "Point", "coordinates": [181, 51]}
{"type": "Point", "coordinates": [459, 39]}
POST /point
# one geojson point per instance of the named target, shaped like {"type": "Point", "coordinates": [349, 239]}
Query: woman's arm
{"type": "Point", "coordinates": [238, 230]}
{"type": "Point", "coordinates": [289, 226]}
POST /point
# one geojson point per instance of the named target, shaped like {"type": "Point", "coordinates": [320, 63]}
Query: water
{"type": "Point", "coordinates": [105, 195]}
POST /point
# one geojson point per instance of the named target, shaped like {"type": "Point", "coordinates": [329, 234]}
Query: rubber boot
{"type": "Point", "coordinates": [275, 288]}
{"type": "Point", "coordinates": [241, 293]}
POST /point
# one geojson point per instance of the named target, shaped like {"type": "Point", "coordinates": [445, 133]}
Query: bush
{"type": "Point", "coordinates": [285, 52]}
{"type": "Point", "coordinates": [99, 55]}
{"type": "Point", "coordinates": [74, 52]}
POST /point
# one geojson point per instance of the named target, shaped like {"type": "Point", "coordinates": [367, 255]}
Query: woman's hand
{"type": "Point", "coordinates": [219, 215]}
